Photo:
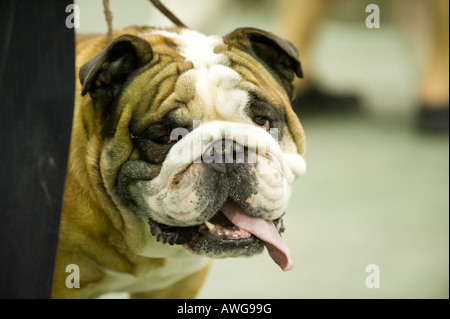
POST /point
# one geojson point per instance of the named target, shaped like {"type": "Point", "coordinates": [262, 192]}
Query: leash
{"type": "Point", "coordinates": [108, 18]}
{"type": "Point", "coordinates": [161, 7]}
{"type": "Point", "coordinates": [168, 13]}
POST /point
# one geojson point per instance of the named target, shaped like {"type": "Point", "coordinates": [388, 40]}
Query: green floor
{"type": "Point", "coordinates": [376, 192]}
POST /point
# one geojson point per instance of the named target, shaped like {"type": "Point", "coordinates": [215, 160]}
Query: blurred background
{"type": "Point", "coordinates": [374, 104]}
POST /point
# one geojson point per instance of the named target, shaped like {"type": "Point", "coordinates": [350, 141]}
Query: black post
{"type": "Point", "coordinates": [36, 105]}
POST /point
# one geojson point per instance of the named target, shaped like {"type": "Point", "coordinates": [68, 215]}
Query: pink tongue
{"type": "Point", "coordinates": [264, 230]}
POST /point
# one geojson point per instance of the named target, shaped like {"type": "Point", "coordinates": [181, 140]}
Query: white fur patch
{"type": "Point", "coordinates": [199, 49]}
{"type": "Point", "coordinates": [215, 81]}
{"type": "Point", "coordinates": [196, 47]}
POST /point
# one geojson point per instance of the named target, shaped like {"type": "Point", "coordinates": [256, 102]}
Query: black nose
{"type": "Point", "coordinates": [224, 155]}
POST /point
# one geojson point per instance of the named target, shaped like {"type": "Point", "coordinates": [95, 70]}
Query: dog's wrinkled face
{"type": "Point", "coordinates": [199, 136]}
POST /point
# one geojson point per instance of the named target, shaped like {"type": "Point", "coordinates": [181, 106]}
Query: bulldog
{"type": "Point", "coordinates": [184, 148]}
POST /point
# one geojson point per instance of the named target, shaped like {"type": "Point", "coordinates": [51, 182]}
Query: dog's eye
{"type": "Point", "coordinates": [165, 139]}
{"type": "Point", "coordinates": [262, 121]}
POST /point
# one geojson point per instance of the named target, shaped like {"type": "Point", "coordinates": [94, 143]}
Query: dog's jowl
{"type": "Point", "coordinates": [184, 149]}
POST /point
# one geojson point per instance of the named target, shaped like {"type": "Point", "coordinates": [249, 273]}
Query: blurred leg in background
{"type": "Point", "coordinates": [434, 90]}
{"type": "Point", "coordinates": [298, 22]}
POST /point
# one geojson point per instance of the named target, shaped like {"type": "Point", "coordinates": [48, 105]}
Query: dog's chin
{"type": "Point", "coordinates": [216, 238]}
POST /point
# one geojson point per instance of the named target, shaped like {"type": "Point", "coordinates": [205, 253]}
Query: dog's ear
{"type": "Point", "coordinates": [104, 76]}
{"type": "Point", "coordinates": [279, 55]}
